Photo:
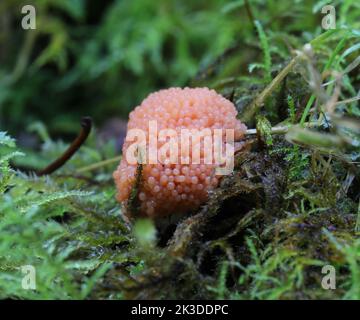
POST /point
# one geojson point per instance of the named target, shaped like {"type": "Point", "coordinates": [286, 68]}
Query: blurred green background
{"type": "Point", "coordinates": [101, 58]}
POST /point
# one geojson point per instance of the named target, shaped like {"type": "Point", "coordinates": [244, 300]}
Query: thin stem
{"type": "Point", "coordinates": [23, 58]}
{"type": "Point", "coordinates": [99, 164]}
{"type": "Point", "coordinates": [274, 130]}
{"type": "Point", "coordinates": [86, 124]}
{"type": "Point", "coordinates": [259, 100]}
{"type": "Point", "coordinates": [328, 65]}
{"type": "Point", "coordinates": [281, 129]}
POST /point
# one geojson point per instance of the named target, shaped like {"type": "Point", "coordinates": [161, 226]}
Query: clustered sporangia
{"type": "Point", "coordinates": [167, 188]}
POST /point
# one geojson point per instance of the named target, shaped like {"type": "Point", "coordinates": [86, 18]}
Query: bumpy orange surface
{"type": "Point", "coordinates": [174, 188]}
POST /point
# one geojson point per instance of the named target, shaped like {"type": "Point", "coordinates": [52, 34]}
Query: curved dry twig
{"type": "Point", "coordinates": [86, 125]}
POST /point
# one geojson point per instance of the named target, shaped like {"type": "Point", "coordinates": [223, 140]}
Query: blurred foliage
{"type": "Point", "coordinates": [101, 59]}
{"type": "Point", "coordinates": [292, 204]}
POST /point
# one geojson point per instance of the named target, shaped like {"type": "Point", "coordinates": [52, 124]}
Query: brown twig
{"type": "Point", "coordinates": [86, 124]}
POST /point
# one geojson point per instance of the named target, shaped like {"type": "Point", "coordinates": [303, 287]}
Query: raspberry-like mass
{"type": "Point", "coordinates": [173, 188]}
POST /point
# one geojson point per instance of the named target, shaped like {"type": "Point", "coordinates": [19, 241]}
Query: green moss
{"type": "Point", "coordinates": [290, 207]}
